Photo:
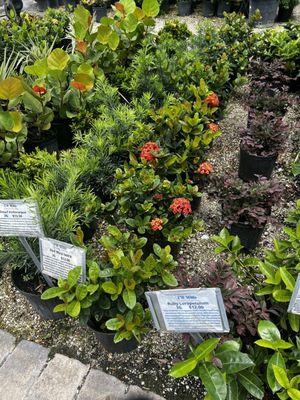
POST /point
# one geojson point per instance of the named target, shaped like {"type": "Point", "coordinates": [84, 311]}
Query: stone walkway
{"type": "Point", "coordinates": [29, 372]}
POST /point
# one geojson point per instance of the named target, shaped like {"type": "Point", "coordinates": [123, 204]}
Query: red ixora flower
{"type": "Point", "coordinates": [205, 168]}
{"type": "Point", "coordinates": [180, 205]}
{"type": "Point", "coordinates": [78, 85]}
{"type": "Point", "coordinates": [39, 89]}
{"type": "Point", "coordinates": [212, 100]}
{"type": "Point", "coordinates": [156, 224]}
{"type": "Point", "coordinates": [148, 151]}
{"type": "Point", "coordinates": [213, 127]}
{"type": "Point", "coordinates": [158, 196]}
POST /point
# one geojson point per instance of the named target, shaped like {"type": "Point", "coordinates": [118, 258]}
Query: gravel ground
{"type": "Point", "coordinates": [148, 366]}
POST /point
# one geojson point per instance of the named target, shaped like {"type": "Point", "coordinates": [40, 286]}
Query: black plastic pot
{"type": "Point", "coordinates": [223, 6]}
{"type": "Point", "coordinates": [61, 129]}
{"type": "Point", "coordinates": [45, 143]}
{"type": "Point", "coordinates": [53, 3]}
{"type": "Point", "coordinates": [268, 10]}
{"type": "Point", "coordinates": [208, 8]}
{"type": "Point", "coordinates": [184, 7]}
{"type": "Point", "coordinates": [61, 3]}
{"type": "Point", "coordinates": [107, 341]}
{"type": "Point", "coordinates": [43, 307]}
{"type": "Point", "coordinates": [99, 11]}
{"type": "Point", "coordinates": [284, 14]}
{"type": "Point", "coordinates": [42, 5]}
{"type": "Point", "coordinates": [252, 165]}
{"type": "Point", "coordinates": [70, 4]}
{"type": "Point", "coordinates": [248, 235]}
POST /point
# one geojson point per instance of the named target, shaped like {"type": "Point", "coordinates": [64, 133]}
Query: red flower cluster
{"type": "Point", "coordinates": [156, 224]}
{"type": "Point", "coordinates": [205, 168]}
{"type": "Point", "coordinates": [213, 127]}
{"type": "Point", "coordinates": [148, 149]}
{"type": "Point", "coordinates": [181, 205]}
{"type": "Point", "coordinates": [212, 100]}
{"type": "Point", "coordinates": [158, 196]}
{"type": "Point", "coordinates": [39, 89]}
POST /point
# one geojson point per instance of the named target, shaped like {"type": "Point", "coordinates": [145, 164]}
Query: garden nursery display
{"type": "Point", "coordinates": [149, 196]}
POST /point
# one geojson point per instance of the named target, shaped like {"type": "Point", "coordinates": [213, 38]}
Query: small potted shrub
{"type": "Point", "coordinates": [112, 301]}
{"type": "Point", "coordinates": [267, 8]}
{"type": "Point", "coordinates": [246, 206]}
{"type": "Point", "coordinates": [260, 144]}
{"type": "Point", "coordinates": [184, 7]}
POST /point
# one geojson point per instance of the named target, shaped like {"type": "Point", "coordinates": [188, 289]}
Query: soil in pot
{"type": "Point", "coordinates": [248, 235]}
{"type": "Point", "coordinates": [251, 165]}
{"type": "Point", "coordinates": [223, 6]}
{"type": "Point", "coordinates": [268, 10]}
{"type": "Point", "coordinates": [208, 8]}
{"type": "Point", "coordinates": [184, 7]}
{"type": "Point", "coordinates": [107, 341]}
{"type": "Point", "coordinates": [99, 12]}
{"type": "Point", "coordinates": [28, 289]}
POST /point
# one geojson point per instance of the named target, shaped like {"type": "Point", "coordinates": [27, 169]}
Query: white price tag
{"type": "Point", "coordinates": [20, 218]}
{"type": "Point", "coordinates": [294, 306]}
{"type": "Point", "coordinates": [58, 258]}
{"type": "Point", "coordinates": [188, 310]}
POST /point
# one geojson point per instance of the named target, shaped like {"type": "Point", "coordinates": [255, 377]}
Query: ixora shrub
{"type": "Point", "coordinates": [113, 296]}
{"type": "Point", "coordinates": [13, 130]}
{"type": "Point", "coordinates": [266, 364]}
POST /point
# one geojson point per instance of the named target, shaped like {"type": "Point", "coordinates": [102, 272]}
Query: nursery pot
{"type": "Point", "coordinates": [223, 6]}
{"type": "Point", "coordinates": [70, 4]}
{"type": "Point", "coordinates": [251, 165]}
{"type": "Point", "coordinates": [284, 14]}
{"type": "Point", "coordinates": [53, 3]}
{"type": "Point", "coordinates": [47, 143]}
{"type": "Point", "coordinates": [43, 307]}
{"type": "Point", "coordinates": [248, 235]}
{"type": "Point", "coordinates": [107, 341]}
{"type": "Point", "coordinates": [184, 7]}
{"type": "Point", "coordinates": [61, 3]}
{"type": "Point", "coordinates": [268, 10]}
{"type": "Point", "coordinates": [99, 11]}
{"type": "Point", "coordinates": [208, 8]}
{"type": "Point", "coordinates": [41, 5]}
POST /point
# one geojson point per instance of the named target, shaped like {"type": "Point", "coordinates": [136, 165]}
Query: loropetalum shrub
{"type": "Point", "coordinates": [265, 134]}
{"type": "Point", "coordinates": [246, 202]}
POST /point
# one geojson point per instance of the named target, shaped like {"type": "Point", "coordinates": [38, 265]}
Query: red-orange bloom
{"type": "Point", "coordinates": [212, 100]}
{"type": "Point", "coordinates": [205, 168]}
{"type": "Point", "coordinates": [156, 224]}
{"type": "Point", "coordinates": [213, 127]}
{"type": "Point", "coordinates": [78, 85]}
{"type": "Point", "coordinates": [148, 151]}
{"type": "Point", "coordinates": [39, 89]}
{"type": "Point", "coordinates": [81, 46]}
{"type": "Point", "coordinates": [181, 205]}
{"type": "Point", "coordinates": [158, 196]}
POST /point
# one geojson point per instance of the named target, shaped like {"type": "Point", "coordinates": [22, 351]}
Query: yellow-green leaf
{"type": "Point", "coordinates": [11, 88]}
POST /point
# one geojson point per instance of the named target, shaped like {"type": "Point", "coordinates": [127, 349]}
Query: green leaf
{"type": "Point", "coordinates": [233, 390]}
{"type": "Point", "coordinates": [235, 361]}
{"type": "Point", "coordinates": [278, 360]}
{"type": "Point", "coordinates": [53, 292]}
{"type": "Point", "coordinates": [104, 33]}
{"type": "Point", "coordinates": [294, 394]}
{"type": "Point", "coordinates": [252, 384]}
{"type": "Point", "coordinates": [130, 23]}
{"type": "Point", "coordinates": [73, 276]}
{"type": "Point", "coordinates": [94, 271]}
{"type": "Point", "coordinates": [232, 345]}
{"type": "Point", "coordinates": [168, 278]}
{"type": "Point", "coordinates": [213, 380]}
{"type": "Point", "coordinates": [114, 324]}
{"type": "Point", "coordinates": [150, 8]}
{"type": "Point", "coordinates": [115, 232]}
{"type": "Point", "coordinates": [205, 348]}
{"type": "Point", "coordinates": [73, 309]}
{"type": "Point", "coordinates": [58, 59]}
{"type": "Point", "coordinates": [281, 376]}
{"type": "Point", "coordinates": [81, 291]}
{"type": "Point", "coordinates": [11, 88]}
{"type": "Point", "coordinates": [31, 103]}
{"type": "Point", "coordinates": [268, 331]}
{"type": "Point", "coordinates": [129, 298]}
{"type": "Point", "coordinates": [294, 321]}
{"type": "Point", "coordinates": [183, 368]}
{"type": "Point", "coordinates": [282, 295]}
{"type": "Point", "coordinates": [109, 287]}
{"type": "Point", "coordinates": [287, 278]}
{"type": "Point", "coordinates": [39, 68]}
{"type": "Point", "coordinates": [60, 308]}
{"type": "Point", "coordinates": [6, 121]}
{"type": "Point", "coordinates": [129, 6]}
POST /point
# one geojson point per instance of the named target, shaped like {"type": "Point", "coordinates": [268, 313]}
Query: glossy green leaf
{"type": "Point", "coordinates": [11, 88]}
{"type": "Point", "coordinates": [109, 287]}
{"type": "Point", "coordinates": [278, 360]}
{"type": "Point", "coordinates": [73, 309]}
{"type": "Point", "coordinates": [183, 368]}
{"type": "Point", "coordinates": [129, 298]}
{"type": "Point", "coordinates": [58, 59]}
{"type": "Point", "coordinates": [73, 276]}
{"type": "Point", "coordinates": [294, 394]}
{"type": "Point", "coordinates": [281, 376]}
{"type": "Point", "coordinates": [287, 278]}
{"type": "Point", "coordinates": [205, 348]}
{"type": "Point", "coordinates": [252, 384]}
{"type": "Point", "coordinates": [169, 279]}
{"type": "Point", "coordinates": [213, 381]}
{"type": "Point", "coordinates": [53, 292]}
{"type": "Point", "coordinates": [268, 331]}
{"type": "Point", "coordinates": [235, 361]}
{"type": "Point", "coordinates": [114, 324]}
{"type": "Point", "coordinates": [282, 295]}
{"type": "Point", "coordinates": [150, 8]}
{"type": "Point", "coordinates": [81, 291]}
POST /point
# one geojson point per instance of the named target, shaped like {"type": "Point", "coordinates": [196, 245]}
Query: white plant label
{"type": "Point", "coordinates": [20, 218]}
{"type": "Point", "coordinates": [188, 310]}
{"type": "Point", "coordinates": [58, 258]}
{"type": "Point", "coordinates": [294, 306]}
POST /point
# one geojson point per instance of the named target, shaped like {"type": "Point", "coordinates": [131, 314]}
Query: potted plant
{"type": "Point", "coordinates": [184, 7]}
{"type": "Point", "coordinates": [268, 10]}
{"type": "Point", "coordinates": [246, 206]}
{"type": "Point", "coordinates": [286, 8]}
{"type": "Point", "coordinates": [260, 144]}
{"type": "Point", "coordinates": [112, 301]}
{"type": "Point", "coordinates": [209, 8]}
